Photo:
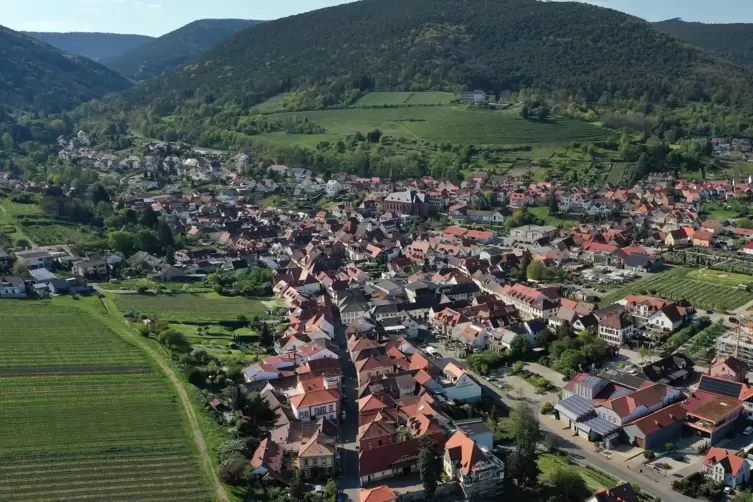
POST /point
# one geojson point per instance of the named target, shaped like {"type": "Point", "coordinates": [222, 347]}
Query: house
{"type": "Point", "coordinates": [478, 431]}
{"type": "Point", "coordinates": [333, 188]}
{"type": "Point", "coordinates": [533, 233]}
{"type": "Point", "coordinates": [703, 238]}
{"type": "Point", "coordinates": [378, 494]}
{"type": "Point", "coordinates": [710, 415]}
{"type": "Point", "coordinates": [531, 303]}
{"type": "Point", "coordinates": [12, 287]}
{"type": "Point", "coordinates": [478, 472]}
{"type": "Point", "coordinates": [677, 238]}
{"type": "Point", "coordinates": [267, 461]}
{"type": "Point", "coordinates": [313, 405]}
{"type": "Point", "coordinates": [35, 259]}
{"type": "Point", "coordinates": [653, 431]}
{"type": "Point", "coordinates": [620, 493]}
{"type": "Point", "coordinates": [669, 370]}
{"type": "Point", "coordinates": [459, 386]}
{"type": "Point", "coordinates": [725, 467]}
{"type": "Point", "coordinates": [373, 367]}
{"type": "Point", "coordinates": [627, 408]}
{"type": "Point", "coordinates": [476, 96]}
{"type": "Point", "coordinates": [91, 268]}
{"type": "Point", "coordinates": [615, 329]}
{"type": "Point", "coordinates": [729, 368]}
{"type": "Point", "coordinates": [316, 458]}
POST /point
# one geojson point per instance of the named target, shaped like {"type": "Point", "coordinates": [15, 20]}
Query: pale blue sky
{"type": "Point", "coordinates": [157, 17]}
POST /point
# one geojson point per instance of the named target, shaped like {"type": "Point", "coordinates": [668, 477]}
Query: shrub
{"type": "Point", "coordinates": [142, 290]}
{"type": "Point", "coordinates": [547, 408]}
{"type": "Point", "coordinates": [649, 454]}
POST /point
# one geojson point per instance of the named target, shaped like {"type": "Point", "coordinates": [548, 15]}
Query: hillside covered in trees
{"type": "Point", "coordinates": [96, 46]}
{"type": "Point", "coordinates": [575, 51]}
{"type": "Point", "coordinates": [175, 48]}
{"type": "Point", "coordinates": [37, 77]}
{"type": "Point", "coordinates": [733, 42]}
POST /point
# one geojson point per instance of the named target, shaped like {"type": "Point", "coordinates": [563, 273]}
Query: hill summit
{"type": "Point", "coordinates": [175, 48]}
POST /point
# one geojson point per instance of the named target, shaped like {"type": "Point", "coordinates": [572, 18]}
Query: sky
{"type": "Point", "coordinates": [157, 17]}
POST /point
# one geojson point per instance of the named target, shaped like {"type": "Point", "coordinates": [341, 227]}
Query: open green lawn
{"type": "Point", "coordinates": [49, 234]}
{"type": "Point", "coordinates": [543, 213]}
{"type": "Point", "coordinates": [194, 307]}
{"type": "Point", "coordinates": [85, 415]}
{"type": "Point", "coordinates": [594, 479]}
{"type": "Point", "coordinates": [720, 277]}
{"type": "Point", "coordinates": [452, 124]}
{"type": "Point", "coordinates": [703, 289]}
{"type": "Point", "coordinates": [722, 214]}
{"type": "Point", "coordinates": [406, 98]}
{"type": "Point", "coordinates": [214, 340]}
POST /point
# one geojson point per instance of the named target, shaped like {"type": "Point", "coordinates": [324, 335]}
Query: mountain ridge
{"type": "Point", "coordinates": [41, 78]}
{"type": "Point", "coordinates": [93, 45]}
{"type": "Point", "coordinates": [176, 48]}
{"type": "Point", "coordinates": [579, 49]}
{"type": "Point", "coordinates": [730, 41]}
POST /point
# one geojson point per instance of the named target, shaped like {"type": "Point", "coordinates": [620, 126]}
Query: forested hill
{"type": "Point", "coordinates": [96, 46]}
{"type": "Point", "coordinates": [729, 41]}
{"type": "Point", "coordinates": [581, 51]}
{"type": "Point", "coordinates": [37, 77]}
{"type": "Point", "coordinates": [175, 48]}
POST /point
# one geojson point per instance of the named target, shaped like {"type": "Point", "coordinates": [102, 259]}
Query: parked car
{"type": "Point", "coordinates": [343, 415]}
{"type": "Point", "coordinates": [748, 431]}
{"type": "Point", "coordinates": [733, 320]}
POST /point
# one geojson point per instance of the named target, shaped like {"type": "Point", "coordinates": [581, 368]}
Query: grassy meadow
{"type": "Point", "coordinates": [207, 308]}
{"type": "Point", "coordinates": [453, 124]}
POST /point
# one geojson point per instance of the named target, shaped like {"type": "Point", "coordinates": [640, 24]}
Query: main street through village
{"type": "Point", "coordinates": [349, 483]}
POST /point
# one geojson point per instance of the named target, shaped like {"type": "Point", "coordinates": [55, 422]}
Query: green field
{"type": "Point", "coordinates": [406, 98]}
{"type": "Point", "coordinates": [193, 308]}
{"type": "Point", "coordinates": [214, 340]}
{"type": "Point", "coordinates": [450, 124]}
{"type": "Point", "coordinates": [593, 478]}
{"type": "Point", "coordinates": [44, 234]}
{"type": "Point", "coordinates": [85, 415]}
{"type": "Point", "coordinates": [704, 289]}
{"type": "Point", "coordinates": [543, 214]}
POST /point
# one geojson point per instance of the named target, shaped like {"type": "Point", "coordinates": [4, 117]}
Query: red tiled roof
{"type": "Point", "coordinates": [731, 463]}
{"type": "Point", "coordinates": [378, 494]}
{"type": "Point", "coordinates": [315, 398]}
{"type": "Point", "coordinates": [464, 450]}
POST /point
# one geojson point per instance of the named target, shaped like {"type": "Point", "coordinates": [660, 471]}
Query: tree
{"type": "Point", "coordinates": [20, 269]}
{"type": "Point", "coordinates": [233, 474]}
{"type": "Point", "coordinates": [22, 243]}
{"type": "Point", "coordinates": [567, 484]}
{"type": "Point", "coordinates": [668, 447]}
{"type": "Point", "coordinates": [297, 493]}
{"type": "Point", "coordinates": [330, 491]}
{"type": "Point", "coordinates": [374, 136]}
{"type": "Point", "coordinates": [643, 352]}
{"type": "Point", "coordinates": [524, 425]}
{"type": "Point", "coordinates": [165, 234]}
{"type": "Point", "coordinates": [429, 464]}
{"type": "Point", "coordinates": [536, 270]}
{"type": "Point", "coordinates": [554, 206]}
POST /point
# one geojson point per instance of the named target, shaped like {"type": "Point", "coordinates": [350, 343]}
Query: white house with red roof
{"type": "Point", "coordinates": [459, 386]}
{"type": "Point", "coordinates": [323, 403]}
{"type": "Point", "coordinates": [725, 467]}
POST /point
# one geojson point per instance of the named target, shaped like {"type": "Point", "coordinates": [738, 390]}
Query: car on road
{"type": "Point", "coordinates": [710, 312]}
{"type": "Point", "coordinates": [343, 415]}
{"type": "Point", "coordinates": [748, 431]}
{"type": "Point", "coordinates": [733, 320]}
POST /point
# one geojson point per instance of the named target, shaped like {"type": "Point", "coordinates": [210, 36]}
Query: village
{"type": "Point", "coordinates": [419, 308]}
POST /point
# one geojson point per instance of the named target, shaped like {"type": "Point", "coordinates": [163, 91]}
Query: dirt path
{"type": "Point", "coordinates": [198, 437]}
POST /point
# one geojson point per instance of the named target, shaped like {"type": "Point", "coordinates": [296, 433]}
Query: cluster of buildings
{"type": "Point", "coordinates": [653, 408]}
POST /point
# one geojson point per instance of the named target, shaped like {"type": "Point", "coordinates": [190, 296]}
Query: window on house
{"type": "Point", "coordinates": [331, 407]}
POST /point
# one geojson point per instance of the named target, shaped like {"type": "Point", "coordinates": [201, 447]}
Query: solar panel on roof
{"type": "Point", "coordinates": [591, 380]}
{"type": "Point", "coordinates": [622, 391]}
{"type": "Point", "coordinates": [720, 387]}
{"type": "Point", "coordinates": [577, 405]}
{"type": "Point", "coordinates": [600, 426]}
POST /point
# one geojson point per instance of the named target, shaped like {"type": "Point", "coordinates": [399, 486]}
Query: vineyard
{"type": "Point", "coordinates": [706, 292]}
{"type": "Point", "coordinates": [193, 308]}
{"type": "Point", "coordinates": [84, 414]}
{"type": "Point", "coordinates": [620, 172]}
{"type": "Point", "coordinates": [405, 98]}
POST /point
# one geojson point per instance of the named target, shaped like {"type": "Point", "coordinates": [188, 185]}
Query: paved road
{"type": "Point", "coordinates": [350, 483]}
